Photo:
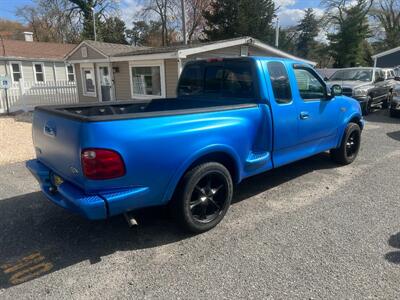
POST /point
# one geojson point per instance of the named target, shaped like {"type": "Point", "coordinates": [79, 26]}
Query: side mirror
{"type": "Point", "coordinates": [336, 90]}
{"type": "Point", "coordinates": [326, 78]}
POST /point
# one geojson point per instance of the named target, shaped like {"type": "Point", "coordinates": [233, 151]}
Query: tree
{"type": "Point", "coordinates": [50, 21]}
{"type": "Point", "coordinates": [308, 30]}
{"type": "Point", "coordinates": [139, 33]}
{"type": "Point", "coordinates": [112, 30]}
{"type": "Point", "coordinates": [12, 30]}
{"type": "Point", "coordinates": [195, 20]}
{"type": "Point", "coordinates": [164, 10]}
{"type": "Point", "coordinates": [288, 39]}
{"type": "Point", "coordinates": [351, 31]}
{"type": "Point", "coordinates": [387, 12]}
{"type": "Point", "coordinates": [84, 10]}
{"type": "Point", "coordinates": [235, 18]}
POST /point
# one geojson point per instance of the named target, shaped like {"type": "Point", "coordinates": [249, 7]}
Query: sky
{"type": "Point", "coordinates": [290, 11]}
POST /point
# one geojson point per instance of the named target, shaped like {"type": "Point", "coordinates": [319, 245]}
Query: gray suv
{"type": "Point", "coordinates": [369, 87]}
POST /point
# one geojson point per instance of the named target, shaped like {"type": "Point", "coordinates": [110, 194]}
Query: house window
{"type": "Point", "coordinates": [147, 79]}
{"type": "Point", "coordinates": [38, 70]}
{"type": "Point", "coordinates": [88, 81]}
{"type": "Point", "coordinates": [16, 71]}
{"type": "Point", "coordinates": [70, 73]}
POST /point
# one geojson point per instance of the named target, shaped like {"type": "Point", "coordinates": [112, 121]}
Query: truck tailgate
{"type": "Point", "coordinates": [57, 144]}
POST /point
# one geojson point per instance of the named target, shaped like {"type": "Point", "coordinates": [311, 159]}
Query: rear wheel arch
{"type": "Point", "coordinates": [223, 156]}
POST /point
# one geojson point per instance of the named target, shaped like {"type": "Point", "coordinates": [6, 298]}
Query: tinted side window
{"type": "Point", "coordinates": [238, 80]}
{"type": "Point", "coordinates": [191, 82]}
{"type": "Point", "coordinates": [280, 82]}
{"type": "Point", "coordinates": [213, 79]}
{"type": "Point", "coordinates": [310, 87]}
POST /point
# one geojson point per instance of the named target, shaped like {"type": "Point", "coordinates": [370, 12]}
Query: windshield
{"type": "Point", "coordinates": [353, 74]}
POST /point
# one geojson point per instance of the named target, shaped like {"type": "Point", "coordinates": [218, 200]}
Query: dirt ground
{"type": "Point", "coordinates": [15, 140]}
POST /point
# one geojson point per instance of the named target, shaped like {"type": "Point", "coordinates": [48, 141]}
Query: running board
{"type": "Point", "coordinates": [257, 159]}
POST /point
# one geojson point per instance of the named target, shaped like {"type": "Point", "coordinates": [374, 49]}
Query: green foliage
{"type": "Point", "coordinates": [112, 30]}
{"type": "Point", "coordinates": [234, 18]}
{"type": "Point", "coordinates": [139, 33]}
{"type": "Point", "coordinates": [352, 30]}
{"type": "Point", "coordinates": [308, 30]}
{"type": "Point", "coordinates": [288, 39]}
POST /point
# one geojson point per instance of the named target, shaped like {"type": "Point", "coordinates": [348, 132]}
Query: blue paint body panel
{"type": "Point", "coordinates": [158, 150]}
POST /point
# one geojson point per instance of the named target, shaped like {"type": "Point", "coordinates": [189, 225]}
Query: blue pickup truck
{"type": "Point", "coordinates": [233, 118]}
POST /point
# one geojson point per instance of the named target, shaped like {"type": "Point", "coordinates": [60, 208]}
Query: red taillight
{"type": "Point", "coordinates": [102, 164]}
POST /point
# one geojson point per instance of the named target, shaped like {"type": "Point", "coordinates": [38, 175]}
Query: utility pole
{"type": "Point", "coordinates": [277, 33]}
{"type": "Point", "coordinates": [183, 7]}
{"type": "Point", "coordinates": [94, 24]}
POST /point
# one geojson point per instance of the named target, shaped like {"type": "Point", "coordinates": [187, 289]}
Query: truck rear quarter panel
{"type": "Point", "coordinates": [158, 151]}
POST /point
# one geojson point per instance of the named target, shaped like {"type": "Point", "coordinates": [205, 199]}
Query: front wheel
{"type": "Point", "coordinates": [203, 197]}
{"type": "Point", "coordinates": [387, 101]}
{"type": "Point", "coordinates": [366, 107]}
{"type": "Point", "coordinates": [349, 147]}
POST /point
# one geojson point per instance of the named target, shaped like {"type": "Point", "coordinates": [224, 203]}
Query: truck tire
{"type": "Point", "coordinates": [203, 197]}
{"type": "Point", "coordinates": [386, 102]}
{"type": "Point", "coordinates": [394, 113]}
{"type": "Point", "coordinates": [349, 147]}
{"type": "Point", "coordinates": [366, 107]}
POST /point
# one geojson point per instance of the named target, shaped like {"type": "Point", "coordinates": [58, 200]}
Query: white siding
{"type": "Point", "coordinates": [27, 71]}
{"type": "Point", "coordinates": [48, 71]}
{"type": "Point", "coordinates": [61, 71]}
{"type": "Point", "coordinates": [29, 75]}
{"type": "Point", "coordinates": [2, 68]}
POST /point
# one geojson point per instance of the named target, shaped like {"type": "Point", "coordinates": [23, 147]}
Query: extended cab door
{"type": "Point", "coordinates": [318, 114]}
{"type": "Point", "coordinates": [284, 112]}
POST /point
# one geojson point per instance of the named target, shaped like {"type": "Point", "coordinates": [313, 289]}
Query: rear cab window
{"type": "Point", "coordinates": [233, 79]}
{"type": "Point", "coordinates": [280, 82]}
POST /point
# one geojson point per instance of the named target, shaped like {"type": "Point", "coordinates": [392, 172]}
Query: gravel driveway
{"type": "Point", "coordinates": [15, 140]}
{"type": "Point", "coordinates": [307, 230]}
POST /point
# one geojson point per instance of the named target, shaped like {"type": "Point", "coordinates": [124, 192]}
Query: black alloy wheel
{"type": "Point", "coordinates": [352, 144]}
{"type": "Point", "coordinates": [203, 197]}
{"type": "Point", "coordinates": [349, 147]}
{"type": "Point", "coordinates": [208, 198]}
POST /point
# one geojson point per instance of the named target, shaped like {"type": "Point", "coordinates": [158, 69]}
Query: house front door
{"type": "Point", "coordinates": [105, 83]}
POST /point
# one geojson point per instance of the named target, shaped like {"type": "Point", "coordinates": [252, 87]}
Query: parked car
{"type": "Point", "coordinates": [364, 84]}
{"type": "Point", "coordinates": [395, 103]}
{"type": "Point", "coordinates": [232, 119]}
{"type": "Point", "coordinates": [391, 80]}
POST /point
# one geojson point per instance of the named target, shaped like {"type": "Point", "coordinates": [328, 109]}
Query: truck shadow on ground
{"type": "Point", "coordinates": [38, 238]}
{"type": "Point", "coordinates": [394, 135]}
{"type": "Point", "coordinates": [394, 256]}
{"type": "Point", "coordinates": [381, 116]}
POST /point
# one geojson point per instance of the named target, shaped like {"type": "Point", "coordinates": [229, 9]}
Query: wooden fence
{"type": "Point", "coordinates": [26, 95]}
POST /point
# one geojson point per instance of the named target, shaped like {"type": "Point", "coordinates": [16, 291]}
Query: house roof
{"type": "Point", "coordinates": [386, 52]}
{"type": "Point", "coordinates": [34, 50]}
{"type": "Point", "coordinates": [209, 46]}
{"type": "Point", "coordinates": [174, 48]}
{"type": "Point", "coordinates": [118, 52]}
{"type": "Point", "coordinates": [110, 49]}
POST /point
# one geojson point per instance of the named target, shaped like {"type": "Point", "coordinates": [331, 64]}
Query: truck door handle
{"type": "Point", "coordinates": [304, 115]}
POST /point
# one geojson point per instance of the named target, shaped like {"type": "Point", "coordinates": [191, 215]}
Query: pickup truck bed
{"type": "Point", "coordinates": [143, 109]}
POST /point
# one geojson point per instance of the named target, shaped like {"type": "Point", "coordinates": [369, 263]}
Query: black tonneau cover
{"type": "Point", "coordinates": [143, 109]}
